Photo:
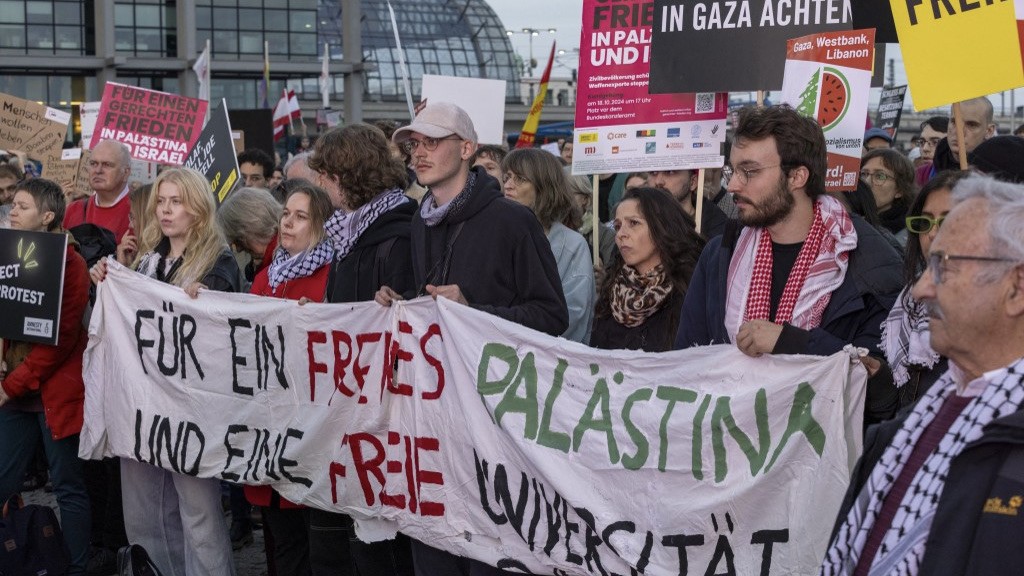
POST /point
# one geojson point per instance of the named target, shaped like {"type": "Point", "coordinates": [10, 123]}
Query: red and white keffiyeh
{"type": "Point", "coordinates": [819, 269]}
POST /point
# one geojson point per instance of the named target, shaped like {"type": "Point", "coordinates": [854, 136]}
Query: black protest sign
{"type": "Point", "coordinates": [728, 45]}
{"type": "Point", "coordinates": [875, 14]}
{"type": "Point", "coordinates": [31, 285]}
{"type": "Point", "coordinates": [890, 108]}
{"type": "Point", "coordinates": [214, 154]}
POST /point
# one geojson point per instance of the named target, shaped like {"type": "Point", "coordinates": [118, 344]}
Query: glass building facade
{"type": "Point", "coordinates": [61, 51]}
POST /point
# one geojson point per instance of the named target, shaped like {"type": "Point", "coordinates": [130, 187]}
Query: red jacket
{"type": "Point", "coordinates": [56, 371]}
{"type": "Point", "coordinates": [312, 287]}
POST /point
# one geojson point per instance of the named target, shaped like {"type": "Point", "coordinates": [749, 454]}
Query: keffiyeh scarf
{"type": "Point", "coordinates": [286, 267]}
{"type": "Point", "coordinates": [433, 214]}
{"type": "Point", "coordinates": [345, 228]}
{"type": "Point", "coordinates": [903, 545]}
{"type": "Point", "coordinates": [820, 269]}
{"type": "Point", "coordinates": [906, 338]}
{"type": "Point", "coordinates": [636, 296]}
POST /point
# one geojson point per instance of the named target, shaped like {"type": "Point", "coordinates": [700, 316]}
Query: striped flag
{"type": "Point", "coordinates": [287, 109]}
{"type": "Point", "coordinates": [529, 132]}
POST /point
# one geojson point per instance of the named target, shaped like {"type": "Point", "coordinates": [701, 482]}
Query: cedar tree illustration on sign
{"type": "Point", "coordinates": [826, 97]}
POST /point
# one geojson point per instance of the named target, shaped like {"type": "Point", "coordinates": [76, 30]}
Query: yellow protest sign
{"type": "Point", "coordinates": [954, 50]}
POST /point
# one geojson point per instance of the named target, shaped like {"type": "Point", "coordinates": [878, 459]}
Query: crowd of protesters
{"type": "Point", "coordinates": [922, 267]}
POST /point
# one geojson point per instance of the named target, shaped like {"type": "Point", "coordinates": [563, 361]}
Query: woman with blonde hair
{"type": "Point", "coordinates": [177, 518]}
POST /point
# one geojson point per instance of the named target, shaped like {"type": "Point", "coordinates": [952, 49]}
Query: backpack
{"type": "Point", "coordinates": [31, 541]}
{"type": "Point", "coordinates": [132, 560]}
{"type": "Point", "coordinates": [94, 242]}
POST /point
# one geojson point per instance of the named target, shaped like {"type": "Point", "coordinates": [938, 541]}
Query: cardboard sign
{"type": "Point", "coordinates": [157, 126]}
{"type": "Point", "coordinates": [724, 46]}
{"type": "Point", "coordinates": [619, 126]}
{"type": "Point", "coordinates": [828, 77]}
{"type": "Point", "coordinates": [477, 435]}
{"type": "Point", "coordinates": [482, 99]}
{"type": "Point", "coordinates": [31, 285]}
{"type": "Point", "coordinates": [890, 109]}
{"type": "Point", "coordinates": [32, 128]}
{"type": "Point", "coordinates": [66, 170]}
{"type": "Point", "coordinates": [955, 51]}
{"type": "Point", "coordinates": [214, 155]}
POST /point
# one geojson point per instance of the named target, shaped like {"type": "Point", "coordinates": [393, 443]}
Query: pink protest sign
{"type": "Point", "coordinates": [157, 126]}
{"type": "Point", "coordinates": [619, 126]}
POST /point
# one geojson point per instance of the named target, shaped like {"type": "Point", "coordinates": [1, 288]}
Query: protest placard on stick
{"type": "Point", "coordinates": [156, 126]}
{"type": "Point", "coordinates": [828, 77]}
{"type": "Point", "coordinates": [214, 155]}
{"type": "Point", "coordinates": [33, 128]}
{"type": "Point", "coordinates": [955, 51]}
{"type": "Point", "coordinates": [620, 127]}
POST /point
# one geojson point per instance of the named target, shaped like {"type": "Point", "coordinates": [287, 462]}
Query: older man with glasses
{"type": "Point", "coordinates": [939, 491]}
{"type": "Point", "coordinates": [802, 276]}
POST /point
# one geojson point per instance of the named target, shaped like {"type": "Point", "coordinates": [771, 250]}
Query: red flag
{"type": "Point", "coordinates": [529, 132]}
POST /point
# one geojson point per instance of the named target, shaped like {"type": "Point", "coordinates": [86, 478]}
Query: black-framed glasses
{"type": "Point", "coordinates": [923, 224]}
{"type": "Point", "coordinates": [429, 144]}
{"type": "Point", "coordinates": [876, 177]}
{"type": "Point", "coordinates": [937, 263]}
{"type": "Point", "coordinates": [744, 174]}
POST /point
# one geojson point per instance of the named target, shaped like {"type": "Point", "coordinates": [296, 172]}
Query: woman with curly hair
{"type": "Point", "coordinates": [176, 517]}
{"type": "Point", "coordinates": [641, 295]}
{"type": "Point", "coordinates": [370, 232]}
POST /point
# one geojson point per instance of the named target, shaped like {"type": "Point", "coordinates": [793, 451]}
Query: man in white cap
{"type": "Point", "coordinates": [472, 245]}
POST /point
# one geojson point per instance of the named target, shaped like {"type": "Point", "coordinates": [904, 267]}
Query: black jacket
{"type": "Point", "coordinates": [978, 527]}
{"type": "Point", "coordinates": [500, 259]}
{"type": "Point", "coordinates": [380, 257]}
{"type": "Point", "coordinates": [854, 314]}
{"type": "Point", "coordinates": [654, 335]}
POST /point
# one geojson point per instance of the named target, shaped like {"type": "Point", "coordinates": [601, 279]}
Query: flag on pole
{"type": "Point", "coordinates": [282, 116]}
{"type": "Point", "coordinates": [202, 70]}
{"type": "Point", "coordinates": [401, 63]}
{"type": "Point", "coordinates": [294, 112]}
{"type": "Point", "coordinates": [325, 78]}
{"type": "Point", "coordinates": [529, 131]}
{"type": "Point", "coordinates": [264, 90]}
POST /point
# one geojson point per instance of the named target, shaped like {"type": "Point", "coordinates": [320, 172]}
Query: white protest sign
{"type": "Point", "coordinates": [482, 99]}
{"type": "Point", "coordinates": [489, 440]}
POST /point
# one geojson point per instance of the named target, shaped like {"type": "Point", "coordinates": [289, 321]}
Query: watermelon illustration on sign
{"type": "Point", "coordinates": [835, 98]}
{"type": "Point", "coordinates": [829, 104]}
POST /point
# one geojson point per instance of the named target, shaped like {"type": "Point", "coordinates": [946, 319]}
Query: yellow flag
{"type": "Point", "coordinates": [529, 131]}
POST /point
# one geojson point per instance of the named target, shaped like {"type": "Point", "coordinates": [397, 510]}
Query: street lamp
{"type": "Point", "coordinates": [530, 33]}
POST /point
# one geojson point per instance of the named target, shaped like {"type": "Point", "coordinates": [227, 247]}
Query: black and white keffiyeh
{"type": "Point", "coordinates": [906, 339]}
{"type": "Point", "coordinates": [286, 267]}
{"type": "Point", "coordinates": [345, 228]}
{"type": "Point", "coordinates": [433, 214]}
{"type": "Point", "coordinates": [903, 545]}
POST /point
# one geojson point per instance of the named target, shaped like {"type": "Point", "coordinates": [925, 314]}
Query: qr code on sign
{"type": "Point", "coordinates": [850, 179]}
{"type": "Point", "coordinates": [705, 103]}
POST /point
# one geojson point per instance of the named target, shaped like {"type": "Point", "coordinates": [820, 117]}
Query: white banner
{"type": "Point", "coordinates": [486, 439]}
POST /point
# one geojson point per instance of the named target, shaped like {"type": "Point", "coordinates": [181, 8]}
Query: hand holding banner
{"type": "Point", "coordinates": [477, 435]}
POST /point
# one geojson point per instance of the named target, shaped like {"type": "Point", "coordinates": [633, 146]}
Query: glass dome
{"type": "Point", "coordinates": [444, 37]}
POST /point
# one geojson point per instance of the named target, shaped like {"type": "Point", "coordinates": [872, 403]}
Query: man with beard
{"type": "Point", "coordinates": [800, 275]}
